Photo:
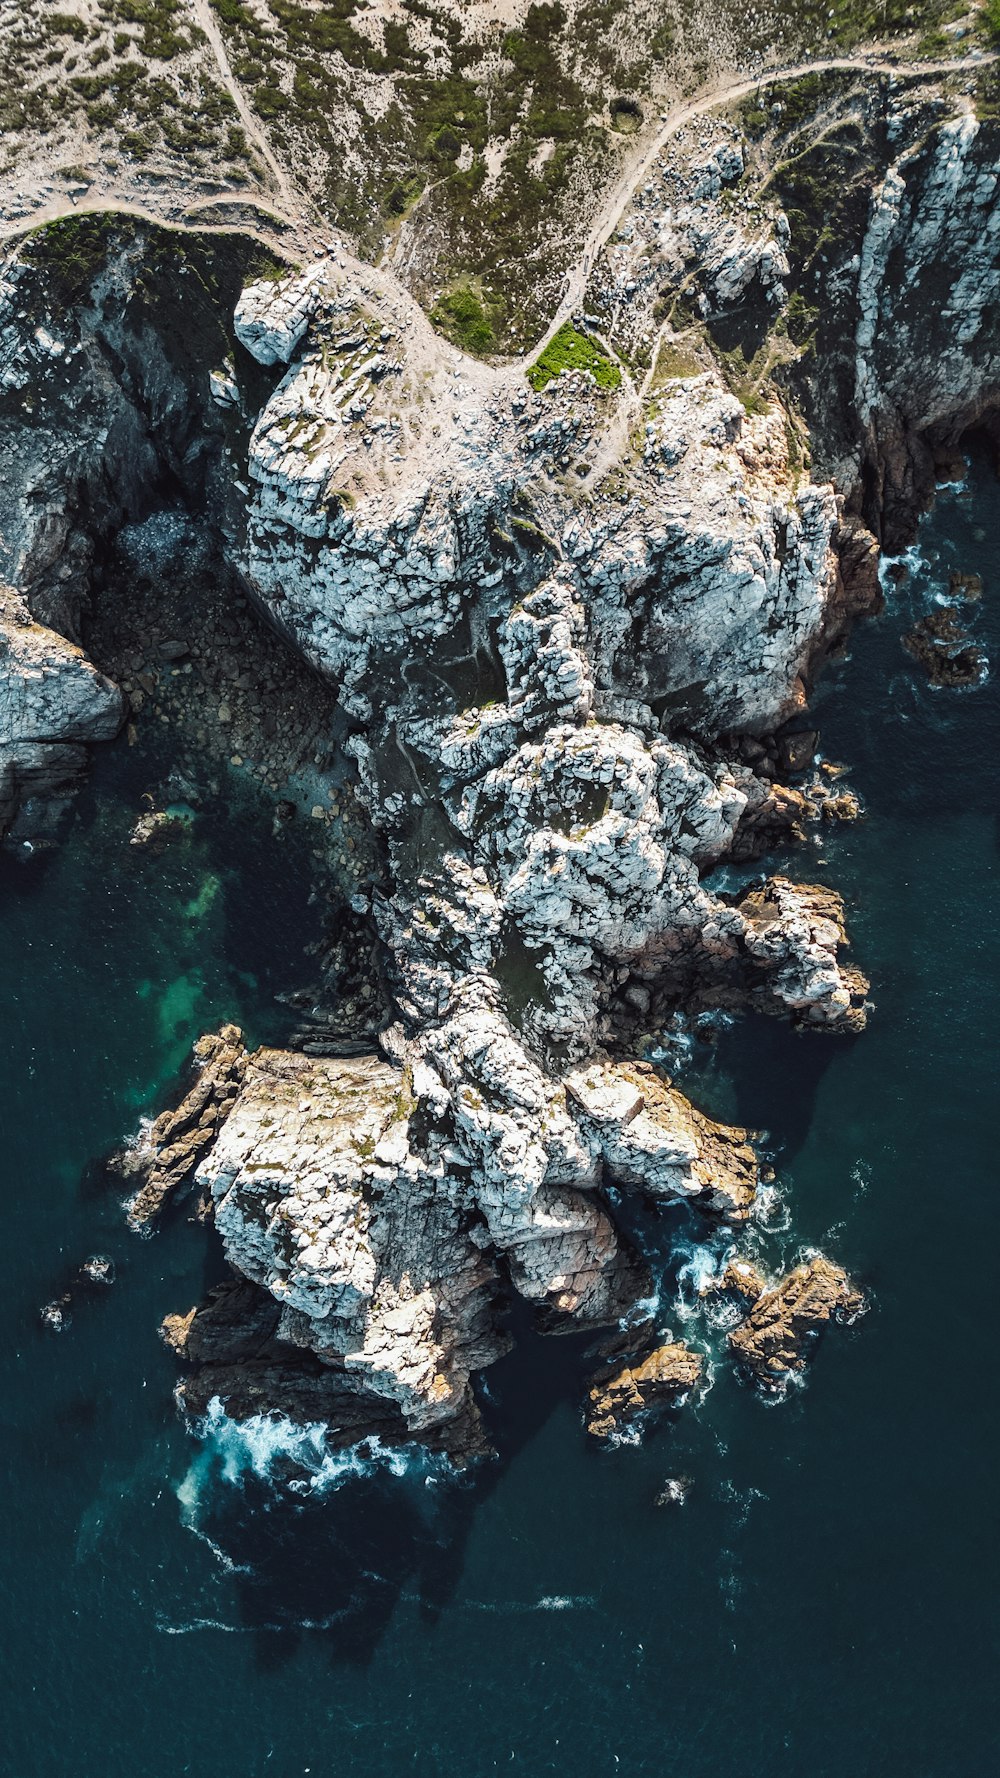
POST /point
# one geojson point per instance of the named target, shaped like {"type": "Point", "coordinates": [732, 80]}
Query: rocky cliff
{"type": "Point", "coordinates": [567, 606]}
{"type": "Point", "coordinates": [52, 701]}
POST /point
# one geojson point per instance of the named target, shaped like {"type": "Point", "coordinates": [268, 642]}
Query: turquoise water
{"type": "Point", "coordinates": [824, 1603]}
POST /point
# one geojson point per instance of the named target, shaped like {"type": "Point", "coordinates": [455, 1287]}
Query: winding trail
{"type": "Point", "coordinates": [251, 123]}
{"type": "Point", "coordinates": [299, 231]}
{"type": "Point", "coordinates": [724, 92]}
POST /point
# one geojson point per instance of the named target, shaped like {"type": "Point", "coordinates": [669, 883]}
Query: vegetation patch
{"type": "Point", "coordinates": [571, 350]}
{"type": "Point", "coordinates": [626, 116]}
{"type": "Point", "coordinates": [676, 359]}
{"type": "Point", "coordinates": [70, 252]}
{"type": "Point", "coordinates": [470, 318]}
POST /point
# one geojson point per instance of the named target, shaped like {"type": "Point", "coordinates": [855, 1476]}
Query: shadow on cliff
{"type": "Point", "coordinates": [343, 1560]}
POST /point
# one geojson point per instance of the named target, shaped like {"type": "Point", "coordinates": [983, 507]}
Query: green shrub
{"type": "Point", "coordinates": [462, 316]}
{"type": "Point", "coordinates": [570, 350]}
{"type": "Point", "coordinates": [67, 25]}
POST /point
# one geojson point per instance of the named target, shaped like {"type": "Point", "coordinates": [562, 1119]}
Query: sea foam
{"type": "Point", "coordinates": [269, 1446]}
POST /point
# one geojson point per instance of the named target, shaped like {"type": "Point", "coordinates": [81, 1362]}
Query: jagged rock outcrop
{"type": "Point", "coordinates": [542, 611]}
{"type": "Point", "coordinates": [739, 1279]}
{"type": "Point", "coordinates": [652, 1138]}
{"type": "Point", "coordinates": [387, 1209]}
{"type": "Point", "coordinates": [945, 650]}
{"type": "Point", "coordinates": [168, 1154]}
{"type": "Point", "coordinates": [927, 360]}
{"type": "Point", "coordinates": [515, 651]}
{"type": "Point", "coordinates": [233, 1353]}
{"type": "Point", "coordinates": [52, 702]}
{"type": "Point", "coordinates": [629, 1393]}
{"type": "Point", "coordinates": [780, 1331]}
{"type": "Point", "coordinates": [794, 933]}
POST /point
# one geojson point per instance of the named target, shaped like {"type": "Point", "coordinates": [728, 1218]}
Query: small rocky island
{"type": "Point", "coordinates": [542, 622]}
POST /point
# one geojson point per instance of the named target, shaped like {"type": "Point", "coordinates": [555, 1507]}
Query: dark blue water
{"type": "Point", "coordinates": [826, 1601]}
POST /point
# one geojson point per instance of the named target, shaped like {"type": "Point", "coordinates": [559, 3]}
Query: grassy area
{"type": "Point", "coordinates": [469, 319]}
{"type": "Point", "coordinates": [571, 350]}
{"type": "Point", "coordinates": [679, 358]}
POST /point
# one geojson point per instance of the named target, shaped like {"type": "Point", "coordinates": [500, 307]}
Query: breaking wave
{"type": "Point", "coordinates": [298, 1457]}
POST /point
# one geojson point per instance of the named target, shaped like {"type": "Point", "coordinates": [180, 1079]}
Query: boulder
{"type": "Point", "coordinates": [780, 1331]}
{"type": "Point", "coordinates": [623, 1398]}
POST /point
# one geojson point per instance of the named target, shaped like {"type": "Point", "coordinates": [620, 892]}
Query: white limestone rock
{"type": "Point", "coordinates": [273, 314]}
{"type": "Point", "coordinates": [52, 702]}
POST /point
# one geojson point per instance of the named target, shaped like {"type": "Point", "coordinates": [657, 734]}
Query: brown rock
{"type": "Point", "coordinates": [629, 1391]}
{"type": "Point", "coordinates": [777, 815]}
{"type": "Point", "coordinates": [777, 1335]}
{"type": "Point", "coordinates": [740, 1279]}
{"type": "Point", "coordinates": [155, 829]}
{"type": "Point", "coordinates": [180, 1137]}
{"type": "Point", "coordinates": [859, 592]}
{"type": "Point", "coordinates": [653, 1139]}
{"type": "Point", "coordinates": [794, 934]}
{"type": "Point", "coordinates": [845, 806]}
{"type": "Point", "coordinates": [795, 752]}
{"type": "Point", "coordinates": [965, 586]}
{"type": "Point", "coordinates": [949, 657]}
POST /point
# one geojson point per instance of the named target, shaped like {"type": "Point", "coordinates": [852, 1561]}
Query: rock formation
{"type": "Point", "coordinates": [572, 626]}
{"type": "Point", "coordinates": [52, 702]}
{"type": "Point", "coordinates": [946, 652]}
{"type": "Point", "coordinates": [621, 1400]}
{"type": "Point", "coordinates": [166, 1157]}
{"type": "Point", "coordinates": [777, 1336]}
{"type": "Point", "coordinates": [387, 1210]}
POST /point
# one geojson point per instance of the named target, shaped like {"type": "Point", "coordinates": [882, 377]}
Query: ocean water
{"type": "Point", "coordinates": [246, 1607]}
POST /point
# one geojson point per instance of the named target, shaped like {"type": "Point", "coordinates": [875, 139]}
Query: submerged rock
{"type": "Point", "coordinates": [155, 829]}
{"type": "Point", "coordinates": [56, 1316]}
{"type": "Point", "coordinates": [98, 1270]}
{"type": "Point", "coordinates": [949, 656]}
{"type": "Point", "coordinates": [777, 1336]}
{"type": "Point", "coordinates": [625, 1397]}
{"type": "Point", "coordinates": [675, 1491]}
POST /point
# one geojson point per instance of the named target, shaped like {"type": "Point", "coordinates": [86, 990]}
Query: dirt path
{"type": "Point", "coordinates": [721, 93]}
{"type": "Point", "coordinates": [255, 133]}
{"type": "Point", "coordinates": [300, 232]}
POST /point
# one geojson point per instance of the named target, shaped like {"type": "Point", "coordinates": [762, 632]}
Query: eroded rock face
{"type": "Point", "coordinates": [233, 1354]}
{"type": "Point", "coordinates": [166, 1158]}
{"type": "Point", "coordinates": [387, 1209]}
{"type": "Point", "coordinates": [780, 1331]}
{"type": "Point", "coordinates": [794, 934]}
{"type": "Point", "coordinates": [652, 1138]}
{"type": "Point", "coordinates": [52, 702]}
{"type": "Point", "coordinates": [515, 665]}
{"type": "Point", "coordinates": [928, 349]}
{"type": "Point", "coordinates": [542, 612]}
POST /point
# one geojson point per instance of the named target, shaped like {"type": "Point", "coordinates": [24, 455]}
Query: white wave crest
{"type": "Point", "coordinates": [912, 559]}
{"type": "Point", "coordinates": [267, 1446]}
